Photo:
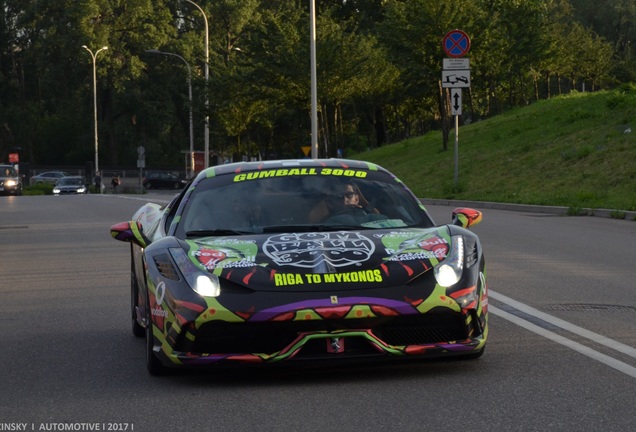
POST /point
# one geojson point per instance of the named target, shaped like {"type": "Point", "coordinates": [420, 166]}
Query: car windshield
{"type": "Point", "coordinates": [261, 202]}
{"type": "Point", "coordinates": [8, 172]}
{"type": "Point", "coordinates": [70, 181]}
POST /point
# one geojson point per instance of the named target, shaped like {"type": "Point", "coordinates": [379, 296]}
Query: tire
{"type": "Point", "coordinates": [154, 366]}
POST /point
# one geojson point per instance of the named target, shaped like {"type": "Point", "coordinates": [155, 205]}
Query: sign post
{"type": "Point", "coordinates": [456, 75]}
{"type": "Point", "coordinates": [141, 164]}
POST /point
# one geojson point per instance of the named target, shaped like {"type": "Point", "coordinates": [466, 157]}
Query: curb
{"type": "Point", "coordinates": [553, 210]}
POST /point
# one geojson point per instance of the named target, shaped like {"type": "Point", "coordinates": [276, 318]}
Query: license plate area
{"type": "Point", "coordinates": [335, 345]}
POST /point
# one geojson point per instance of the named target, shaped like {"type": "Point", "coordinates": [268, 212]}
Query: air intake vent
{"type": "Point", "coordinates": [471, 252]}
{"type": "Point", "coordinates": [165, 267]}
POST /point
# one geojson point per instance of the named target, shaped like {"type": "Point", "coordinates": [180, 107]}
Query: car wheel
{"type": "Point", "coordinates": [153, 364]}
{"type": "Point", "coordinates": [137, 329]}
{"type": "Point", "coordinates": [176, 185]}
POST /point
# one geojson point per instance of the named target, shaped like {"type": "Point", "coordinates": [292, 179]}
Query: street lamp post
{"type": "Point", "coordinates": [206, 135]}
{"type": "Point", "coordinates": [155, 51]}
{"type": "Point", "coordinates": [94, 57]}
{"type": "Point", "coordinates": [314, 85]}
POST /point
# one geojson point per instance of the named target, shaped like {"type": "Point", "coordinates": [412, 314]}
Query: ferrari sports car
{"type": "Point", "coordinates": [302, 261]}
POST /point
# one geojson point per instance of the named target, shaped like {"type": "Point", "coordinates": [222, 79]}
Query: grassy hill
{"type": "Point", "coordinates": [577, 151]}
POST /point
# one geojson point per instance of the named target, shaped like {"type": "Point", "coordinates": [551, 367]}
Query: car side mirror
{"type": "Point", "coordinates": [466, 217]}
{"type": "Point", "coordinates": [131, 232]}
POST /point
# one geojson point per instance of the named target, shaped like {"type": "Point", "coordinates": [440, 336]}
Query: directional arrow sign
{"type": "Point", "coordinates": [456, 101]}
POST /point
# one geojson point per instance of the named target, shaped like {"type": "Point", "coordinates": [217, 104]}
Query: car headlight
{"type": "Point", "coordinates": [205, 284]}
{"type": "Point", "coordinates": [449, 271]}
{"type": "Point", "coordinates": [10, 183]}
{"type": "Point", "coordinates": [81, 189]}
{"type": "Point", "coordinates": [56, 190]}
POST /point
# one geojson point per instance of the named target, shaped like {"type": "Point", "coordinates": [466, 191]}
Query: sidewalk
{"type": "Point", "coordinates": [554, 210]}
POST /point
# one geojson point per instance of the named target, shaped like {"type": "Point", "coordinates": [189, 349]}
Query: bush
{"type": "Point", "coordinates": [38, 189]}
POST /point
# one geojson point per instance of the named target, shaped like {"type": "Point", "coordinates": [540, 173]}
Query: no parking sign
{"type": "Point", "coordinates": [456, 43]}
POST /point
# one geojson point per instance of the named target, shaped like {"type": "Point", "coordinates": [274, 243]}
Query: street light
{"type": "Point", "coordinates": [155, 51]}
{"type": "Point", "coordinates": [206, 135]}
{"type": "Point", "coordinates": [94, 57]}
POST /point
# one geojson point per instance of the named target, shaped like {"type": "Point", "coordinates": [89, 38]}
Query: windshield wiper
{"type": "Point", "coordinates": [215, 232]}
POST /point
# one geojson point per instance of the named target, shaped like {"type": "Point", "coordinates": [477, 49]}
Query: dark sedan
{"type": "Point", "coordinates": [71, 185]}
{"type": "Point", "coordinates": [163, 180]}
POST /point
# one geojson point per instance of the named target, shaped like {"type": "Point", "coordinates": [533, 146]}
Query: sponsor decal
{"type": "Point", "coordinates": [160, 312]}
{"type": "Point", "coordinates": [340, 172]}
{"type": "Point", "coordinates": [310, 250]}
{"type": "Point", "coordinates": [210, 257]}
{"type": "Point", "coordinates": [226, 254]}
{"type": "Point", "coordinates": [157, 309]}
{"type": "Point", "coordinates": [405, 246]}
{"type": "Point", "coordinates": [361, 276]}
{"type": "Point", "coordinates": [437, 245]}
{"type": "Point", "coordinates": [161, 292]}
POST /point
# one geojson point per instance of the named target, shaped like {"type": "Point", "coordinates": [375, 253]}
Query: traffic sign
{"type": "Point", "coordinates": [456, 43]}
{"type": "Point", "coordinates": [456, 101]}
{"type": "Point", "coordinates": [455, 63]}
{"type": "Point", "coordinates": [455, 78]}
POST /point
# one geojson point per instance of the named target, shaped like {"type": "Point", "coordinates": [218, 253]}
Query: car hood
{"type": "Point", "coordinates": [318, 260]}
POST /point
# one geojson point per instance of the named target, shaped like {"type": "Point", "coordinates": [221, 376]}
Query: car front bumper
{"type": "Point", "coordinates": [364, 333]}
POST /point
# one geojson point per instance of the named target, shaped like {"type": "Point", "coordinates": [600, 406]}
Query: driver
{"type": "Point", "coordinates": [352, 208]}
{"type": "Point", "coordinates": [352, 197]}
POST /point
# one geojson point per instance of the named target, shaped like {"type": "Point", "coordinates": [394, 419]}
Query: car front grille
{"type": "Point", "coordinates": [271, 337]}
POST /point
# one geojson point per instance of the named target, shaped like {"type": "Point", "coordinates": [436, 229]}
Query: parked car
{"type": "Point", "coordinates": [10, 181]}
{"type": "Point", "coordinates": [50, 177]}
{"type": "Point", "coordinates": [70, 185]}
{"type": "Point", "coordinates": [163, 180]}
{"type": "Point", "coordinates": [278, 262]}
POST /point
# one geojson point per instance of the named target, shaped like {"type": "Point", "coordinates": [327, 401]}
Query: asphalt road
{"type": "Point", "coordinates": [561, 353]}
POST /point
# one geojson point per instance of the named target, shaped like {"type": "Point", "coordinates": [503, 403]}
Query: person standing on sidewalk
{"type": "Point", "coordinates": [98, 182]}
{"type": "Point", "coordinates": [115, 182]}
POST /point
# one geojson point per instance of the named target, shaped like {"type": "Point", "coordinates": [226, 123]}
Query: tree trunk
{"type": "Point", "coordinates": [444, 110]}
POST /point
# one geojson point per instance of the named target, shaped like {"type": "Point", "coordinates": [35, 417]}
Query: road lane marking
{"type": "Point", "coordinates": [594, 337]}
{"type": "Point", "coordinates": [137, 198]}
{"type": "Point", "coordinates": [593, 354]}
